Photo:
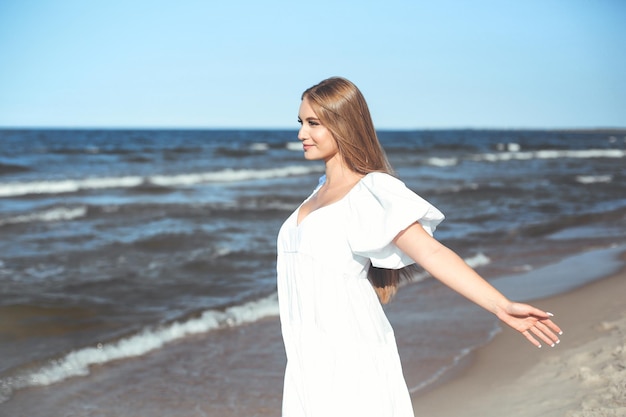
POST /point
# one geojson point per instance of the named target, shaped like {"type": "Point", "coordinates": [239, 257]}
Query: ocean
{"type": "Point", "coordinates": [137, 267]}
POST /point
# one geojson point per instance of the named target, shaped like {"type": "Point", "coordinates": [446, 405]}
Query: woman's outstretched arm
{"type": "Point", "coordinates": [445, 265]}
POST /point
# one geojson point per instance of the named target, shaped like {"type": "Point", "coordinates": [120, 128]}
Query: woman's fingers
{"type": "Point", "coordinates": [531, 339]}
{"type": "Point", "coordinates": [546, 338]}
{"type": "Point", "coordinates": [546, 331]}
{"type": "Point", "coordinates": [552, 326]}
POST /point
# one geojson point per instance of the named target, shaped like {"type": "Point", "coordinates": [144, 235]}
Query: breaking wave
{"type": "Point", "coordinates": [593, 179]}
{"type": "Point", "coordinates": [78, 362]}
{"type": "Point", "coordinates": [74, 185]}
{"type": "Point", "coordinates": [549, 154]}
{"type": "Point", "coordinates": [49, 215]}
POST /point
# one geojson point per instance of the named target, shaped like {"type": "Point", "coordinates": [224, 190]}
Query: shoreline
{"type": "Point", "coordinates": [508, 376]}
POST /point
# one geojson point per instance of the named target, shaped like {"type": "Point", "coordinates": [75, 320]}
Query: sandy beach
{"type": "Point", "coordinates": [583, 376]}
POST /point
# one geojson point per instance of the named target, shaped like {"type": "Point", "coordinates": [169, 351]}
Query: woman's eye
{"type": "Point", "coordinates": [309, 122]}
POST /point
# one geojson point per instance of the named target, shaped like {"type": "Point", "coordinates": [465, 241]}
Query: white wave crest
{"type": "Point", "coordinates": [294, 146]}
{"type": "Point", "coordinates": [259, 147]}
{"type": "Point", "coordinates": [231, 175]}
{"type": "Point", "coordinates": [511, 146]}
{"type": "Point", "coordinates": [77, 363]}
{"type": "Point", "coordinates": [477, 260]}
{"type": "Point", "coordinates": [592, 179]}
{"type": "Point", "coordinates": [67, 186]}
{"type": "Point", "coordinates": [550, 154]}
{"type": "Point", "coordinates": [227, 175]}
{"type": "Point", "coordinates": [51, 215]}
{"type": "Point", "coordinates": [442, 162]}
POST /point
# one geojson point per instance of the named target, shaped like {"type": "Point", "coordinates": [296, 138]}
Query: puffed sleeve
{"type": "Point", "coordinates": [381, 206]}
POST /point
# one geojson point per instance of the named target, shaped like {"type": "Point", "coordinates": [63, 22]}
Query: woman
{"type": "Point", "coordinates": [340, 254]}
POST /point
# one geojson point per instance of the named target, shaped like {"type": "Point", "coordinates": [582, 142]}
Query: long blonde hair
{"type": "Point", "coordinates": [342, 109]}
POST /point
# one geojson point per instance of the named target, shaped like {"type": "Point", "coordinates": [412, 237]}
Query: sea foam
{"type": "Point", "coordinates": [550, 154]}
{"type": "Point", "coordinates": [49, 215]}
{"type": "Point", "coordinates": [230, 175]}
{"type": "Point", "coordinates": [592, 179]}
{"type": "Point", "coordinates": [74, 185]}
{"type": "Point", "coordinates": [78, 362]}
{"type": "Point", "coordinates": [442, 162]}
{"type": "Point", "coordinates": [480, 259]}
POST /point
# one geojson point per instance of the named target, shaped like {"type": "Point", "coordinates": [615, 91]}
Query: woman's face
{"type": "Point", "coordinates": [317, 141]}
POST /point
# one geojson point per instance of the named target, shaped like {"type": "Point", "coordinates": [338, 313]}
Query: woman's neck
{"type": "Point", "coordinates": [338, 174]}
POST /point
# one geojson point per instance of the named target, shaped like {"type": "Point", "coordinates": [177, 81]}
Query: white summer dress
{"type": "Point", "coordinates": [342, 358]}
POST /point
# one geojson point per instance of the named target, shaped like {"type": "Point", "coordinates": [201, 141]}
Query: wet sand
{"type": "Point", "coordinates": [584, 375]}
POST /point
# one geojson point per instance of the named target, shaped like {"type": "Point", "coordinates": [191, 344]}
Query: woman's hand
{"type": "Point", "coordinates": [531, 322]}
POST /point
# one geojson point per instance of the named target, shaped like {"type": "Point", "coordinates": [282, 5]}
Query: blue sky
{"type": "Point", "coordinates": [244, 64]}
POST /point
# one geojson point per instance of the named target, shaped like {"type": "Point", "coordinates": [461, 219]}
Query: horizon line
{"type": "Point", "coordinates": [615, 129]}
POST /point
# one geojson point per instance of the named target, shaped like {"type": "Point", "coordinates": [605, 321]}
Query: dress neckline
{"type": "Point", "coordinates": [300, 222]}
